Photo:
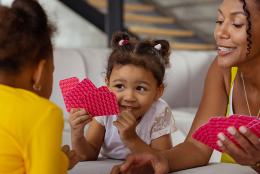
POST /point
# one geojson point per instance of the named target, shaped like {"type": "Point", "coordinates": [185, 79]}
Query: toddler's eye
{"type": "Point", "coordinates": [119, 86]}
{"type": "Point", "coordinates": [141, 88]}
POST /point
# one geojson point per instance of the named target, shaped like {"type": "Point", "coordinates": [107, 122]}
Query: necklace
{"type": "Point", "coordinates": [247, 103]}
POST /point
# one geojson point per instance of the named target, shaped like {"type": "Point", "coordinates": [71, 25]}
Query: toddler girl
{"type": "Point", "coordinates": [135, 73]}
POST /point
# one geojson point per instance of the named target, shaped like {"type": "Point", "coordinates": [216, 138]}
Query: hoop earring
{"type": "Point", "coordinates": [37, 88]}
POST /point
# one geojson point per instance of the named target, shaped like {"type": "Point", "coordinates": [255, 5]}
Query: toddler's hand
{"type": "Point", "coordinates": [72, 156]}
{"type": "Point", "coordinates": [78, 118]}
{"type": "Point", "coordinates": [126, 124]}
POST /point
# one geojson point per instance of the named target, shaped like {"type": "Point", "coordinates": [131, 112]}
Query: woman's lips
{"type": "Point", "coordinates": [224, 51]}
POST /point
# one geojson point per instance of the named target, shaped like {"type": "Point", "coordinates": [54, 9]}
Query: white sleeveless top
{"type": "Point", "coordinates": [156, 122]}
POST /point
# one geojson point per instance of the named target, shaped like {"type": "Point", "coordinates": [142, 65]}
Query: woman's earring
{"type": "Point", "coordinates": [37, 87]}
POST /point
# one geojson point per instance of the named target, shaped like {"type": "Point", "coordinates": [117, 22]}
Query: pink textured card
{"type": "Point", "coordinates": [84, 94]}
{"type": "Point", "coordinates": [207, 133]}
{"type": "Point", "coordinates": [67, 84]}
{"type": "Point", "coordinates": [101, 103]}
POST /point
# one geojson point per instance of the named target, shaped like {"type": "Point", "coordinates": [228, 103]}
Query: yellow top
{"type": "Point", "coordinates": [30, 134]}
{"type": "Point", "coordinates": [225, 158]}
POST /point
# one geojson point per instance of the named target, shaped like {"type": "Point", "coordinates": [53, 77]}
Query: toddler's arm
{"type": "Point", "coordinates": [87, 147]}
{"type": "Point", "coordinates": [126, 125]}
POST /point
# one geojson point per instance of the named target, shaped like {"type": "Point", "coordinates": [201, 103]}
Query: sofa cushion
{"type": "Point", "coordinates": [185, 78]}
{"type": "Point", "coordinates": [105, 166]}
{"type": "Point", "coordinates": [68, 63]}
{"type": "Point", "coordinates": [96, 62]}
{"type": "Point", "coordinates": [183, 117]}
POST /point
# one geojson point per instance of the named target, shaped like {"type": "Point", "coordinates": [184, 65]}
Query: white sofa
{"type": "Point", "coordinates": [184, 84]}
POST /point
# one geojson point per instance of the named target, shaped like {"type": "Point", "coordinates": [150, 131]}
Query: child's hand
{"type": "Point", "coordinates": [71, 154]}
{"type": "Point", "coordinates": [126, 124]}
{"type": "Point", "coordinates": [78, 118]}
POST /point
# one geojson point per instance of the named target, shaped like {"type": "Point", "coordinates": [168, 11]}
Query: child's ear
{"type": "Point", "coordinates": [160, 91]}
{"type": "Point", "coordinates": [37, 75]}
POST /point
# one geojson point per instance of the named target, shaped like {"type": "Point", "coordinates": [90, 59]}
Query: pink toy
{"type": "Point", "coordinates": [207, 133]}
{"type": "Point", "coordinates": [67, 84]}
{"type": "Point", "coordinates": [97, 101]}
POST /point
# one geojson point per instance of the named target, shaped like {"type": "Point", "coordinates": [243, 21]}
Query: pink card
{"type": "Point", "coordinates": [250, 124]}
{"type": "Point", "coordinates": [67, 84]}
{"type": "Point", "coordinates": [73, 100]}
{"type": "Point", "coordinates": [101, 103]}
{"type": "Point", "coordinates": [97, 101]}
{"type": "Point", "coordinates": [207, 133]}
{"type": "Point", "coordinates": [255, 128]}
{"type": "Point", "coordinates": [72, 97]}
{"type": "Point", "coordinates": [103, 89]}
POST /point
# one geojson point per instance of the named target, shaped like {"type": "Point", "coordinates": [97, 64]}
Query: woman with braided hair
{"type": "Point", "coordinates": [232, 86]}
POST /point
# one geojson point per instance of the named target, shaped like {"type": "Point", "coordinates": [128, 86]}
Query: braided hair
{"type": "Point", "coordinates": [249, 26]}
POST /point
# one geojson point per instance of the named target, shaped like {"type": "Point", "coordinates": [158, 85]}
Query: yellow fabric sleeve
{"type": "Point", "coordinates": [44, 148]}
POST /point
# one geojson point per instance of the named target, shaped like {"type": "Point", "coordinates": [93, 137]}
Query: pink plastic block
{"type": "Point", "coordinates": [101, 103]}
{"type": "Point", "coordinates": [103, 89]}
{"type": "Point", "coordinates": [84, 94]}
{"type": "Point", "coordinates": [207, 133]}
{"type": "Point", "coordinates": [67, 84]}
{"type": "Point", "coordinates": [255, 121]}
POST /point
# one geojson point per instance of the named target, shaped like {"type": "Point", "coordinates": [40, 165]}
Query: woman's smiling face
{"type": "Point", "coordinates": [231, 33]}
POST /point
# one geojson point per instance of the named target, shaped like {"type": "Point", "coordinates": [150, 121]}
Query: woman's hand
{"type": "Point", "coordinates": [78, 119]}
{"type": "Point", "coordinates": [249, 153]}
{"type": "Point", "coordinates": [143, 163]}
{"type": "Point", "coordinates": [72, 156]}
{"type": "Point", "coordinates": [126, 124]}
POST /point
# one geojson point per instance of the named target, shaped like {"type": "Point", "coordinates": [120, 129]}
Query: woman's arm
{"type": "Point", "coordinates": [137, 145]}
{"type": "Point", "coordinates": [192, 153]}
{"type": "Point", "coordinates": [162, 143]}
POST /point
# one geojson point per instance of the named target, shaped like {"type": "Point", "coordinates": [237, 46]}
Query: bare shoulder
{"type": "Point", "coordinates": [215, 95]}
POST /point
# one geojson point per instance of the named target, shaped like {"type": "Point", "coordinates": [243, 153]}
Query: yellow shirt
{"type": "Point", "coordinates": [30, 134]}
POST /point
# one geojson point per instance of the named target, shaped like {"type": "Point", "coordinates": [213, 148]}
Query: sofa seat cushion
{"type": "Point", "coordinates": [104, 167]}
{"type": "Point", "coordinates": [183, 117]}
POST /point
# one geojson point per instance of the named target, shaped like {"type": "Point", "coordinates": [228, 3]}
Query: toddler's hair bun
{"type": "Point", "coordinates": [118, 38]}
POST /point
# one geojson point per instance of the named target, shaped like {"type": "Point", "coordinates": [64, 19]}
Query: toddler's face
{"type": "Point", "coordinates": [135, 88]}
